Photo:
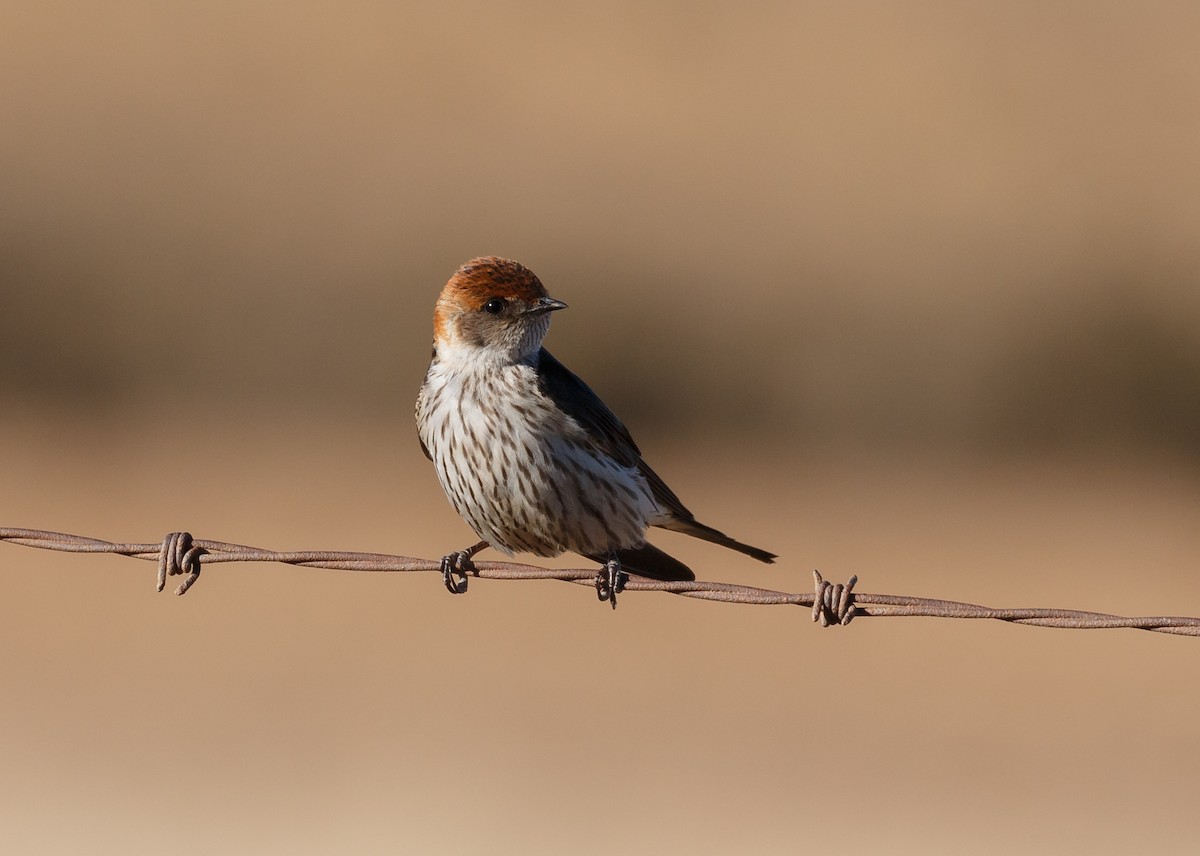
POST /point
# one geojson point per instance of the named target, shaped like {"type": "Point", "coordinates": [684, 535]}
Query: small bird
{"type": "Point", "coordinates": [527, 454]}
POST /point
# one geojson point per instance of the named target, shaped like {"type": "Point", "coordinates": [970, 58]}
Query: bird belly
{"type": "Point", "coordinates": [525, 478]}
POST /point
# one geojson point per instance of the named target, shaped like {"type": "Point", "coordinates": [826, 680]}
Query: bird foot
{"type": "Point", "coordinates": [610, 581]}
{"type": "Point", "coordinates": [457, 566]}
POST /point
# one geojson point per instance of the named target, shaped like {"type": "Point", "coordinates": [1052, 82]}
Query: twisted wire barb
{"type": "Point", "coordinates": [180, 554]}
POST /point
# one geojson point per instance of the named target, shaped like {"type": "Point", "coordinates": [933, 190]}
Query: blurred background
{"type": "Point", "coordinates": [906, 290]}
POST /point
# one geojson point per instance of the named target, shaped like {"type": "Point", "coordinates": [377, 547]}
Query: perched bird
{"type": "Point", "coordinates": [528, 455]}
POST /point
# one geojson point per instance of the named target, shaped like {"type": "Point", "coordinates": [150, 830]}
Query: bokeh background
{"type": "Point", "coordinates": [904, 290]}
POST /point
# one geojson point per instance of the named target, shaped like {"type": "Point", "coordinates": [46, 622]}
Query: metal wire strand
{"type": "Point", "coordinates": [832, 604]}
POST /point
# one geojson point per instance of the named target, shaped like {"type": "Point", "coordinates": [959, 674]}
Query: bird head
{"type": "Point", "coordinates": [492, 310]}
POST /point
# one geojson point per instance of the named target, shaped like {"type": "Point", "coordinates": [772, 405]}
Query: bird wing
{"type": "Point", "coordinates": [576, 399]}
{"type": "Point", "coordinates": [421, 402]}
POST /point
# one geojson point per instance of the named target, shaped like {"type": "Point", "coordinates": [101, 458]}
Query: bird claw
{"type": "Point", "coordinates": [459, 565]}
{"type": "Point", "coordinates": [610, 581]}
{"type": "Point", "coordinates": [455, 568]}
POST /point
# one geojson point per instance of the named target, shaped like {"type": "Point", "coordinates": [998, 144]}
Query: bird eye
{"type": "Point", "coordinates": [494, 306]}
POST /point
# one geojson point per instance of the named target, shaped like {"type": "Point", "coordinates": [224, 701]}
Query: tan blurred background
{"type": "Point", "coordinates": [910, 291]}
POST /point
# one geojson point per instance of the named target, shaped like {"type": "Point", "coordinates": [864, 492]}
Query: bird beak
{"type": "Point", "coordinates": [546, 304]}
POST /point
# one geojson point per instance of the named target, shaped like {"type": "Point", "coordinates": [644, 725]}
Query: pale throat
{"type": "Point", "coordinates": [455, 352]}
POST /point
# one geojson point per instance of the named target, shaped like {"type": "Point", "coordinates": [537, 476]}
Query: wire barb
{"type": "Point", "coordinates": [833, 604]}
{"type": "Point", "coordinates": [180, 554]}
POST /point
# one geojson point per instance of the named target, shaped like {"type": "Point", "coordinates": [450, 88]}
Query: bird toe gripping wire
{"type": "Point", "coordinates": [610, 582]}
{"type": "Point", "coordinates": [179, 556]}
{"type": "Point", "coordinates": [456, 567]}
{"type": "Point", "coordinates": [454, 572]}
{"type": "Point", "coordinates": [833, 604]}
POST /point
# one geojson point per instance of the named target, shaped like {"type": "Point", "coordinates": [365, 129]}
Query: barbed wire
{"type": "Point", "coordinates": [179, 554]}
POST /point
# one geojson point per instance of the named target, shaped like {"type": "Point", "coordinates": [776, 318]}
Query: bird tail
{"type": "Point", "coordinates": [693, 527]}
{"type": "Point", "coordinates": [648, 561]}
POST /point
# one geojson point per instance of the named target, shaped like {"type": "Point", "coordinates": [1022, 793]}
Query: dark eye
{"type": "Point", "coordinates": [494, 306]}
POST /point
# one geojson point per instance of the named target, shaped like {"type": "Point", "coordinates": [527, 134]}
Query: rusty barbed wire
{"type": "Point", "coordinates": [179, 554]}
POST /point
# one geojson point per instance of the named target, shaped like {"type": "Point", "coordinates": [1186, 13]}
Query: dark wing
{"type": "Point", "coordinates": [421, 397]}
{"type": "Point", "coordinates": [576, 399]}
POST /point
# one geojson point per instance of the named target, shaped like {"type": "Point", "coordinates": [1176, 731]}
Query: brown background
{"type": "Point", "coordinates": [910, 291]}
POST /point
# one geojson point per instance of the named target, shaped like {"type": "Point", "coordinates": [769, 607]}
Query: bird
{"type": "Point", "coordinates": [529, 456]}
